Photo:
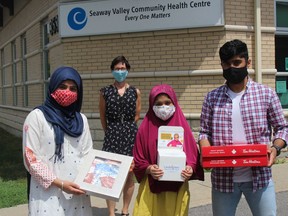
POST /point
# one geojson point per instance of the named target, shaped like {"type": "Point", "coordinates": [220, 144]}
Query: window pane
{"type": "Point", "coordinates": [282, 14]}
{"type": "Point", "coordinates": [24, 70]}
{"type": "Point", "coordinates": [45, 55]}
{"type": "Point", "coordinates": [281, 52]}
{"type": "Point", "coordinates": [281, 89]}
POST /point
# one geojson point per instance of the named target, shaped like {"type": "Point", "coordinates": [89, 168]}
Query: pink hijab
{"type": "Point", "coordinates": [145, 148]}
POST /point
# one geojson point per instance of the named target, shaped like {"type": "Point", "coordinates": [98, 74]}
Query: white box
{"type": "Point", "coordinates": [103, 174]}
{"type": "Point", "coordinates": [172, 161]}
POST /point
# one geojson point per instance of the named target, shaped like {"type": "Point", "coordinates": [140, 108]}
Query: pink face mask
{"type": "Point", "coordinates": [64, 97]}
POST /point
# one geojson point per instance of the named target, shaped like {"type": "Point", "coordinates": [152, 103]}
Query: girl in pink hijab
{"type": "Point", "coordinates": [163, 197]}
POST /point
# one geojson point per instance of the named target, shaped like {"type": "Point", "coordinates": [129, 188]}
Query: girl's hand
{"type": "Point", "coordinates": [187, 173]}
{"type": "Point", "coordinates": [68, 187]}
{"type": "Point", "coordinates": [132, 166]}
{"type": "Point", "coordinates": [155, 171]}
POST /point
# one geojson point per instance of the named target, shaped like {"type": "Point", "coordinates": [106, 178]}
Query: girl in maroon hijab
{"type": "Point", "coordinates": [163, 197]}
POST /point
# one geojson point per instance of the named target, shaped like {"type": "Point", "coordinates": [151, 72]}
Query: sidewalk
{"type": "Point", "coordinates": [200, 195]}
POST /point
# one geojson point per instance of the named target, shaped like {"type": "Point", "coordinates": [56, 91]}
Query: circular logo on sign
{"type": "Point", "coordinates": [77, 18]}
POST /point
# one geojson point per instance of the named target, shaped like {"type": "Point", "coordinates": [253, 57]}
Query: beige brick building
{"type": "Point", "coordinates": [31, 48]}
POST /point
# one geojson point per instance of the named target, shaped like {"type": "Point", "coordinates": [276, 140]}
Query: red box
{"type": "Point", "coordinates": [235, 155]}
{"type": "Point", "coordinates": [234, 150]}
{"type": "Point", "coordinates": [235, 161]}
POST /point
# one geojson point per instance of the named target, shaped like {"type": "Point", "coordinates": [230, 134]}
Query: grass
{"type": "Point", "coordinates": [281, 160]}
{"type": "Point", "coordinates": [12, 172]}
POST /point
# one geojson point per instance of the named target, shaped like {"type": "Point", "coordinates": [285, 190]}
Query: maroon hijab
{"type": "Point", "coordinates": [145, 148]}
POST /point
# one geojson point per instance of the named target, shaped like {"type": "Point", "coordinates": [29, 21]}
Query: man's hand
{"type": "Point", "coordinates": [272, 151]}
{"type": "Point", "coordinates": [203, 143]}
{"type": "Point", "coordinates": [272, 154]}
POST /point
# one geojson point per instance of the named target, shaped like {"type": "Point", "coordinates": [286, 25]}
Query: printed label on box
{"type": "Point", "coordinates": [170, 136]}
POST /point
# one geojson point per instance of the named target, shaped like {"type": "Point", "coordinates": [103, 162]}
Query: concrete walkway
{"type": "Point", "coordinates": [200, 197]}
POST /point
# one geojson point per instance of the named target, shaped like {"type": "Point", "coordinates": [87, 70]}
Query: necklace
{"type": "Point", "coordinates": [121, 89]}
{"type": "Point", "coordinates": [119, 85]}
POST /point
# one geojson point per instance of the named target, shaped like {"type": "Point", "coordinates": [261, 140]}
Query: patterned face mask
{"type": "Point", "coordinates": [64, 97]}
{"type": "Point", "coordinates": [164, 112]}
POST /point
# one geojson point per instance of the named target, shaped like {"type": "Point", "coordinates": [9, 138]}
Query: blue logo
{"type": "Point", "coordinates": [77, 18]}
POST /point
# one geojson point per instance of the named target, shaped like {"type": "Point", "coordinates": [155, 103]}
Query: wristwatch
{"type": "Point", "coordinates": [278, 149]}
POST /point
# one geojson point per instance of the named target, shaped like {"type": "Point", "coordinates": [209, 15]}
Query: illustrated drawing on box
{"type": "Point", "coordinates": [102, 172]}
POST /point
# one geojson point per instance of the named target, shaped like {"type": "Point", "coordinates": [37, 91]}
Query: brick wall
{"type": "Point", "coordinates": [187, 59]}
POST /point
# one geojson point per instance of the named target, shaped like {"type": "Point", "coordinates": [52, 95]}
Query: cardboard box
{"type": "Point", "coordinates": [172, 161]}
{"type": "Point", "coordinates": [235, 155]}
{"type": "Point", "coordinates": [103, 174]}
{"type": "Point", "coordinates": [234, 150]}
{"type": "Point", "coordinates": [235, 161]}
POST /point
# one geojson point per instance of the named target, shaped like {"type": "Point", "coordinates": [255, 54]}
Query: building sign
{"type": "Point", "coordinates": [122, 16]}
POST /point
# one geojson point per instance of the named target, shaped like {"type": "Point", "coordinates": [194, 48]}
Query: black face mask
{"type": "Point", "coordinates": [235, 75]}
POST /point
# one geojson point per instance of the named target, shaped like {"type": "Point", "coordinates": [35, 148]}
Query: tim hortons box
{"type": "Point", "coordinates": [172, 161]}
{"type": "Point", "coordinates": [234, 150]}
{"type": "Point", "coordinates": [235, 155]}
{"type": "Point", "coordinates": [210, 162]}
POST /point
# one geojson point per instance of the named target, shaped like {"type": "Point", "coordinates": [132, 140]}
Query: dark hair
{"type": "Point", "coordinates": [120, 59]}
{"type": "Point", "coordinates": [233, 48]}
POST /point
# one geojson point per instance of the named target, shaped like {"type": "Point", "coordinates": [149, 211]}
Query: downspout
{"type": "Point", "coordinates": [258, 55]}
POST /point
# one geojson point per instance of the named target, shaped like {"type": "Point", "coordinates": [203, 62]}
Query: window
{"type": "Point", "coordinates": [24, 70]}
{"type": "Point", "coordinates": [282, 15]}
{"type": "Point", "coordinates": [14, 73]}
{"type": "Point", "coordinates": [45, 55]}
{"type": "Point", "coordinates": [281, 51]}
{"type": "Point", "coordinates": [281, 88]}
{"type": "Point", "coordinates": [3, 77]}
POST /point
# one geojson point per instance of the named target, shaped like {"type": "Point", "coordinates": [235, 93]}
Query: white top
{"type": "Point", "coordinates": [38, 154]}
{"type": "Point", "coordinates": [240, 174]}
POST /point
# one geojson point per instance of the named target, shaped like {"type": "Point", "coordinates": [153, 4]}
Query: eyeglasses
{"type": "Point", "coordinates": [120, 68]}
